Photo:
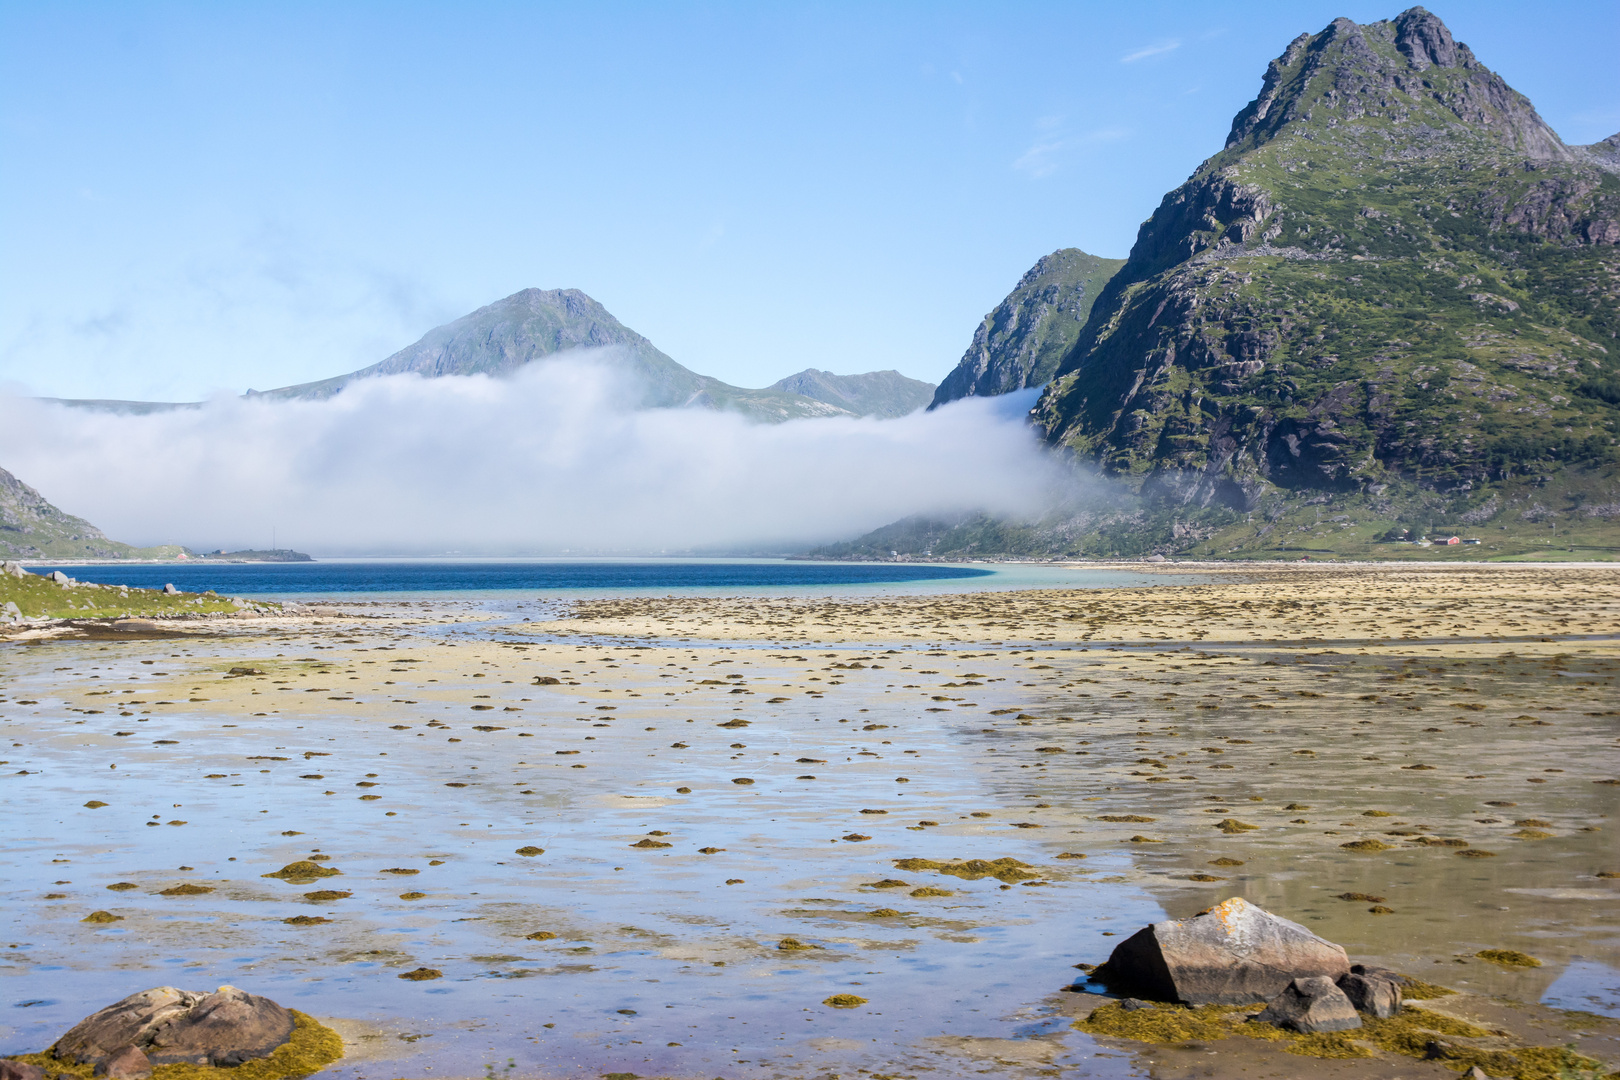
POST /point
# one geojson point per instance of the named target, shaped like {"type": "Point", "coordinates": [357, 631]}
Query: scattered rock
{"type": "Point", "coordinates": [173, 1026]}
{"type": "Point", "coordinates": [1233, 954]}
{"type": "Point", "coordinates": [1311, 1005]}
{"type": "Point", "coordinates": [18, 1070]}
{"type": "Point", "coordinates": [1373, 990]}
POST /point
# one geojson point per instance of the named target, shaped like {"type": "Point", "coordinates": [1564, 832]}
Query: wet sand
{"type": "Point", "coordinates": [1143, 752]}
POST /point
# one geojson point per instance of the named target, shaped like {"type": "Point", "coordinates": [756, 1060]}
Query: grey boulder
{"type": "Point", "coordinates": [1310, 1005]}
{"type": "Point", "coordinates": [20, 1070]}
{"type": "Point", "coordinates": [1233, 954]}
{"type": "Point", "coordinates": [170, 590]}
{"type": "Point", "coordinates": [1372, 990]}
{"type": "Point", "coordinates": [127, 1064]}
{"type": "Point", "coordinates": [173, 1026]}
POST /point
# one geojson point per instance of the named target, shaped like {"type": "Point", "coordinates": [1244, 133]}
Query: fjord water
{"type": "Point", "coordinates": [564, 577]}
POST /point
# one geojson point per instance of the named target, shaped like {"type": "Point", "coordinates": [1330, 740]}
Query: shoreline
{"type": "Point", "coordinates": [1055, 736]}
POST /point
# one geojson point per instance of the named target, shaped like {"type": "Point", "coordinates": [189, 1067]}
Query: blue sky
{"type": "Point", "coordinates": [206, 197]}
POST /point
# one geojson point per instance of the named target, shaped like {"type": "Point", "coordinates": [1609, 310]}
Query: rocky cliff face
{"type": "Point", "coordinates": [1021, 342]}
{"type": "Point", "coordinates": [31, 528]}
{"type": "Point", "coordinates": [1394, 273]}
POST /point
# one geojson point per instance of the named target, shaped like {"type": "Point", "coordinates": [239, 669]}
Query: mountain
{"type": "Point", "coordinates": [876, 393]}
{"type": "Point", "coordinates": [1022, 341]}
{"type": "Point", "coordinates": [533, 324]}
{"type": "Point", "coordinates": [1395, 293]}
{"type": "Point", "coordinates": [31, 528]}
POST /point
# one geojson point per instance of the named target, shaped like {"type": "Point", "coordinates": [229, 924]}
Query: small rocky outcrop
{"type": "Point", "coordinates": [1310, 1005]}
{"type": "Point", "coordinates": [169, 1026]}
{"type": "Point", "coordinates": [1372, 990]}
{"type": "Point", "coordinates": [1233, 954]}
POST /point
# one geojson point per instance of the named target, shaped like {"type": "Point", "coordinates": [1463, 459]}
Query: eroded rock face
{"type": "Point", "coordinates": [170, 1026]}
{"type": "Point", "coordinates": [1233, 954]}
{"type": "Point", "coordinates": [1310, 1005]}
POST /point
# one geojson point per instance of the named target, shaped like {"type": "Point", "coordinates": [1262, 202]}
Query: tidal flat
{"type": "Point", "coordinates": [657, 836]}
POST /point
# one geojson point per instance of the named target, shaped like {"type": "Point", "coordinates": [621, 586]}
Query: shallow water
{"type": "Point", "coordinates": [661, 946]}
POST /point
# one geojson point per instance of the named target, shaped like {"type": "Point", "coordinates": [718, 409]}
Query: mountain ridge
{"type": "Point", "coordinates": [1021, 342]}
{"type": "Point", "coordinates": [498, 339]}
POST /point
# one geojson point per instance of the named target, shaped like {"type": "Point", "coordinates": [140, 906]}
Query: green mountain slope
{"type": "Point", "coordinates": [31, 528]}
{"type": "Point", "coordinates": [1022, 341]}
{"type": "Point", "coordinates": [875, 393]}
{"type": "Point", "coordinates": [1395, 293]}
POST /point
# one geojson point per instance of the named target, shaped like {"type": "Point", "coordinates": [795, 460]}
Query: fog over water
{"type": "Point", "coordinates": [546, 461]}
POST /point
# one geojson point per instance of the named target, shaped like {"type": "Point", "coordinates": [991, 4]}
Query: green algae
{"type": "Point", "coordinates": [306, 920]}
{"type": "Point", "coordinates": [1224, 861]}
{"type": "Point", "coordinates": [94, 804]}
{"type": "Point", "coordinates": [1414, 989]}
{"type": "Point", "coordinates": [529, 851]}
{"type": "Point", "coordinates": [1233, 825]}
{"type": "Point", "coordinates": [412, 895]}
{"type": "Point", "coordinates": [884, 913]}
{"type": "Point", "coordinates": [186, 890]}
{"type": "Point", "coordinates": [1125, 817]}
{"type": "Point", "coordinates": [887, 883]}
{"type": "Point", "coordinates": [929, 890]}
{"type": "Point", "coordinates": [540, 935]}
{"type": "Point", "coordinates": [1360, 897]}
{"type": "Point", "coordinates": [647, 842]}
{"type": "Point", "coordinates": [303, 872]}
{"type": "Point", "coordinates": [844, 1001]}
{"type": "Point", "coordinates": [1366, 845]}
{"type": "Point", "coordinates": [1509, 958]}
{"type": "Point", "coordinates": [788, 944]}
{"type": "Point", "coordinates": [102, 917]}
{"type": "Point", "coordinates": [123, 886]}
{"type": "Point", "coordinates": [1004, 869]}
{"type": "Point", "coordinates": [422, 974]}
{"type": "Point", "coordinates": [1159, 1023]}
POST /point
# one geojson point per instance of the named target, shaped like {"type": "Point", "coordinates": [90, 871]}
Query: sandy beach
{"type": "Point", "coordinates": [654, 836]}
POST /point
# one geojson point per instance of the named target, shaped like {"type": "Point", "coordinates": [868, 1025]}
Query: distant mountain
{"type": "Point", "coordinates": [31, 528]}
{"type": "Point", "coordinates": [1022, 341]}
{"type": "Point", "coordinates": [876, 393]}
{"type": "Point", "coordinates": [534, 324]}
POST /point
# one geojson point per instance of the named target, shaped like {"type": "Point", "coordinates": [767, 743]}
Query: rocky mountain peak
{"type": "Point", "coordinates": [1407, 72]}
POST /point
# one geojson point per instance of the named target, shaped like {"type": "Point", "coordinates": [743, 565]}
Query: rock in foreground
{"type": "Point", "coordinates": [1310, 1005]}
{"type": "Point", "coordinates": [173, 1026]}
{"type": "Point", "coordinates": [1233, 954]}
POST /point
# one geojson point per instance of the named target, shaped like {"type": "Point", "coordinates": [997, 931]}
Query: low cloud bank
{"type": "Point", "coordinates": [546, 462]}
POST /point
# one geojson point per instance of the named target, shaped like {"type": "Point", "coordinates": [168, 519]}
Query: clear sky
{"type": "Point", "coordinates": [202, 197]}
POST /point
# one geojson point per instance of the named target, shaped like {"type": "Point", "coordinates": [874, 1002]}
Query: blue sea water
{"type": "Point", "coordinates": [399, 577]}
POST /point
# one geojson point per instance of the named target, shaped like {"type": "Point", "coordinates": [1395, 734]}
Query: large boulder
{"type": "Point", "coordinates": [173, 1026]}
{"type": "Point", "coordinates": [1233, 954]}
{"type": "Point", "coordinates": [1310, 1005]}
{"type": "Point", "coordinates": [20, 1070]}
